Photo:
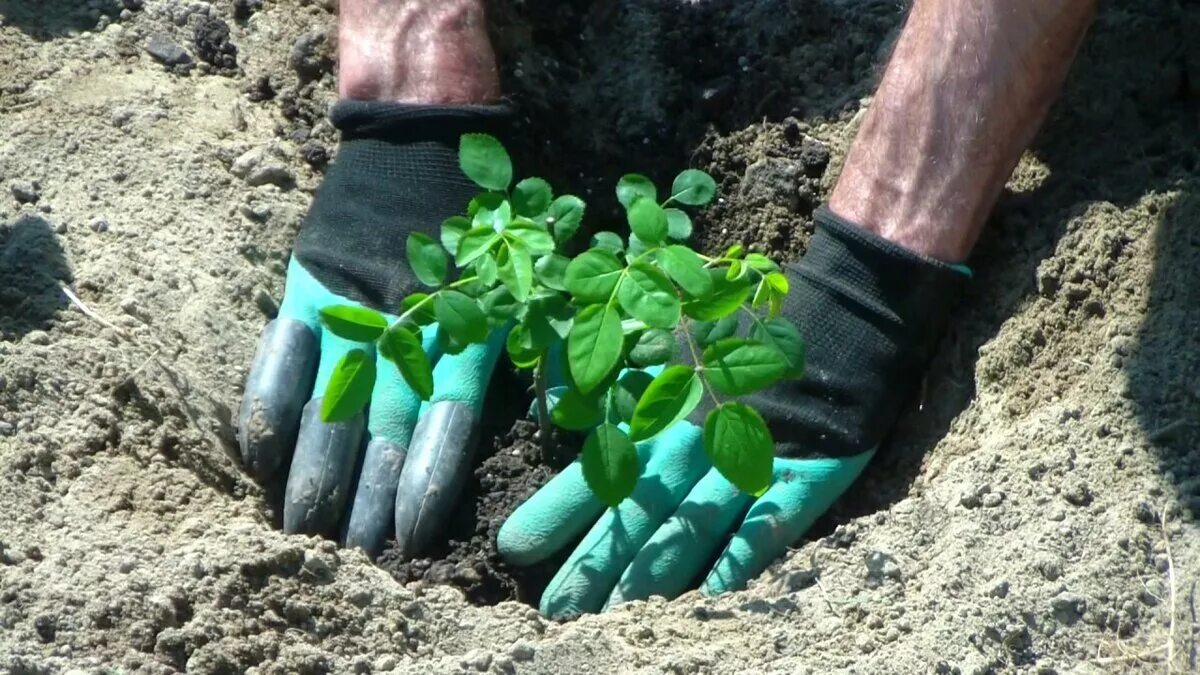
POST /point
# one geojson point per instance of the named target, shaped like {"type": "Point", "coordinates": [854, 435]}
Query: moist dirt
{"type": "Point", "coordinates": [1034, 510]}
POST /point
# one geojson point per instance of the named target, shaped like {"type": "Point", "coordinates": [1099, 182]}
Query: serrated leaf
{"type": "Point", "coordinates": [739, 445]}
{"type": "Point", "coordinates": [475, 243]}
{"type": "Point", "coordinates": [594, 346]}
{"type": "Point", "coordinates": [687, 269]}
{"type": "Point", "coordinates": [634, 185]}
{"type": "Point", "coordinates": [551, 270]}
{"type": "Point", "coordinates": [453, 229]}
{"type": "Point", "coordinates": [610, 464]}
{"type": "Point", "coordinates": [708, 332]}
{"type": "Point", "coordinates": [427, 259]}
{"type": "Point", "coordinates": [647, 220]}
{"type": "Point", "coordinates": [575, 412]}
{"type": "Point", "coordinates": [485, 161]}
{"type": "Point", "coordinates": [648, 295]}
{"type": "Point", "coordinates": [400, 346]}
{"type": "Point", "coordinates": [654, 347]}
{"type": "Point", "coordinates": [761, 263]}
{"type": "Point", "coordinates": [460, 317]}
{"type": "Point", "coordinates": [785, 337]}
{"type": "Point", "coordinates": [736, 366]}
{"type": "Point", "coordinates": [593, 275]}
{"type": "Point", "coordinates": [672, 396]}
{"type": "Point", "coordinates": [534, 237]}
{"type": "Point", "coordinates": [515, 269]}
{"type": "Point", "coordinates": [423, 316]}
{"type": "Point", "coordinates": [493, 211]}
{"type": "Point", "coordinates": [486, 269]}
{"type": "Point", "coordinates": [679, 224]}
{"type": "Point", "coordinates": [610, 241]}
{"type": "Point", "coordinates": [693, 187]}
{"type": "Point", "coordinates": [628, 391]}
{"type": "Point", "coordinates": [726, 297]}
{"type": "Point", "coordinates": [564, 216]}
{"type": "Point", "coordinates": [349, 387]}
{"type": "Point", "coordinates": [353, 322]}
{"type": "Point", "coordinates": [531, 197]}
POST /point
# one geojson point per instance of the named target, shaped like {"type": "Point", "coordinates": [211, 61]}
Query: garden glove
{"type": "Point", "coordinates": [870, 313]}
{"type": "Point", "coordinates": [396, 172]}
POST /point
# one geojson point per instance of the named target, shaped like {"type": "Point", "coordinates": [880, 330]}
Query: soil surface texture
{"type": "Point", "coordinates": [1034, 512]}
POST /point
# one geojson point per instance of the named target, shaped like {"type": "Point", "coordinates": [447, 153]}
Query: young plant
{"type": "Point", "coordinates": [619, 306]}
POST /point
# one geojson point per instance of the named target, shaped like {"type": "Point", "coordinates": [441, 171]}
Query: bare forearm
{"type": "Point", "coordinates": [416, 51]}
{"type": "Point", "coordinates": [968, 86]}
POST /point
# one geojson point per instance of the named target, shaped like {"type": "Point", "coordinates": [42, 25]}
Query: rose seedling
{"type": "Point", "coordinates": [710, 325]}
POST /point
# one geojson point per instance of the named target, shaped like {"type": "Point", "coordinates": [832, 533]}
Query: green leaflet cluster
{"type": "Point", "coordinates": [619, 306]}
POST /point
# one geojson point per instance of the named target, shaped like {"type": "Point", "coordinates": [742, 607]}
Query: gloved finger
{"type": "Point", "coordinates": [672, 559]}
{"type": "Point", "coordinates": [675, 462]}
{"type": "Point", "coordinates": [391, 417]}
{"type": "Point", "coordinates": [278, 385]}
{"type": "Point", "coordinates": [443, 444]}
{"type": "Point", "coordinates": [326, 454]}
{"type": "Point", "coordinates": [802, 490]}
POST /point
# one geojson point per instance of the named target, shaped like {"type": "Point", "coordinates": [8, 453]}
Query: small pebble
{"type": "Point", "coordinates": [26, 192]}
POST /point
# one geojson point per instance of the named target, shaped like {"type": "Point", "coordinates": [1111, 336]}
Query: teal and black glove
{"type": "Point", "coordinates": [403, 462]}
{"type": "Point", "coordinates": [871, 313]}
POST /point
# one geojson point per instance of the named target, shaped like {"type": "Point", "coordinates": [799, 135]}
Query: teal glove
{"type": "Point", "coordinates": [397, 172]}
{"type": "Point", "coordinates": [870, 313]}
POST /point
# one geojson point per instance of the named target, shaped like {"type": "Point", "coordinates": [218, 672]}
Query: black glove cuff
{"type": "Point", "coordinates": [396, 172]}
{"type": "Point", "coordinates": [871, 313]}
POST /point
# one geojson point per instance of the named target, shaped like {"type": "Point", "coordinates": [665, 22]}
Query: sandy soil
{"type": "Point", "coordinates": [1036, 513]}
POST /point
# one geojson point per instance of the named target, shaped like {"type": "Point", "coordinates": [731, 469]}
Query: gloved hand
{"type": "Point", "coordinates": [396, 172]}
{"type": "Point", "coordinates": [870, 313]}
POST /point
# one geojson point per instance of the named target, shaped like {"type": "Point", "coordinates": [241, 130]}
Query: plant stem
{"type": "Point", "coordinates": [429, 298]}
{"type": "Point", "coordinates": [699, 365]}
{"type": "Point", "coordinates": [543, 409]}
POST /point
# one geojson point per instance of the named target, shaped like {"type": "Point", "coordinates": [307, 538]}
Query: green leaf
{"type": "Point", "coordinates": [427, 259]}
{"type": "Point", "coordinates": [647, 294]}
{"type": "Point", "coordinates": [460, 317]}
{"type": "Point", "coordinates": [628, 391]}
{"type": "Point", "coordinates": [475, 243]}
{"type": "Point", "coordinates": [739, 445]}
{"type": "Point", "coordinates": [551, 270]}
{"type": "Point", "coordinates": [736, 367]}
{"type": "Point", "coordinates": [515, 269]}
{"type": "Point", "coordinates": [785, 337]}
{"type": "Point", "coordinates": [634, 185]}
{"type": "Point", "coordinates": [423, 316]}
{"type": "Point", "coordinates": [610, 464]}
{"type": "Point", "coordinates": [594, 346]}
{"type": "Point", "coordinates": [762, 294]}
{"type": "Point", "coordinates": [520, 348]}
{"type": "Point", "coordinates": [778, 282]}
{"type": "Point", "coordinates": [693, 187]}
{"type": "Point", "coordinates": [610, 241]}
{"type": "Point", "coordinates": [548, 320]}
{"type": "Point", "coordinates": [736, 271]}
{"type": "Point", "coordinates": [734, 251]}
{"type": "Point", "coordinates": [726, 297]}
{"type": "Point", "coordinates": [353, 322]}
{"type": "Point", "coordinates": [576, 412]}
{"type": "Point", "coordinates": [484, 160]}
{"type": "Point", "coordinates": [536, 239]}
{"type": "Point", "coordinates": [531, 197]}
{"type": "Point", "coordinates": [708, 332]}
{"type": "Point", "coordinates": [654, 347]}
{"type": "Point", "coordinates": [647, 220]}
{"type": "Point", "coordinates": [761, 263]}
{"type": "Point", "coordinates": [349, 387]}
{"type": "Point", "coordinates": [564, 216]}
{"type": "Point", "coordinates": [593, 276]}
{"type": "Point", "coordinates": [486, 269]}
{"type": "Point", "coordinates": [493, 211]}
{"type": "Point", "coordinates": [500, 306]}
{"type": "Point", "coordinates": [687, 269]}
{"type": "Point", "coordinates": [453, 229]}
{"type": "Point", "coordinates": [672, 396]}
{"type": "Point", "coordinates": [400, 346]}
{"type": "Point", "coordinates": [679, 224]}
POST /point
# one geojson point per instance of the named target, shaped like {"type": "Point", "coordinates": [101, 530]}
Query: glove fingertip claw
{"type": "Point", "coordinates": [276, 389]}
